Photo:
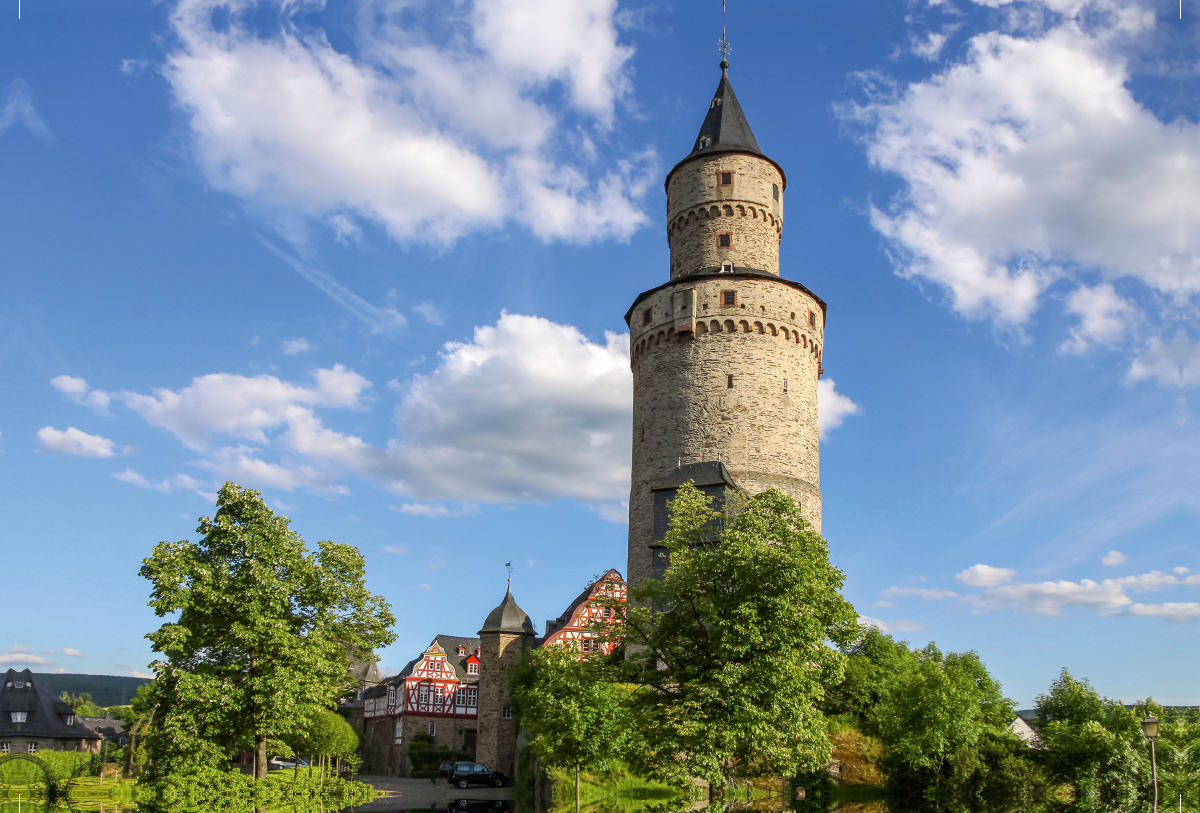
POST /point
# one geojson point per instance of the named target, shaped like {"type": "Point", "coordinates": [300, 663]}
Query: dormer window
{"type": "Point", "coordinates": [71, 719]}
{"type": "Point", "coordinates": [725, 239]}
{"type": "Point", "coordinates": [724, 178]}
{"type": "Point", "coordinates": [462, 650]}
{"type": "Point", "coordinates": [472, 669]}
{"type": "Point", "coordinates": [18, 716]}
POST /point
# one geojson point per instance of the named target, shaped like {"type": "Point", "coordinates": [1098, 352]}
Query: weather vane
{"type": "Point", "coordinates": [509, 566]}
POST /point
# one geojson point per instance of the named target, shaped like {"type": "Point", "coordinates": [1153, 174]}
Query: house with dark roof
{"type": "Point", "coordinates": [32, 720]}
{"type": "Point", "coordinates": [456, 692]}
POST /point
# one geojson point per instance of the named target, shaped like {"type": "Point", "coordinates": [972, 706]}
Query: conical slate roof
{"type": "Point", "coordinates": [725, 127]}
{"type": "Point", "coordinates": [508, 617]}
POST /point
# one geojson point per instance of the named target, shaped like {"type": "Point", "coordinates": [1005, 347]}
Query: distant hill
{"type": "Point", "coordinates": [106, 690]}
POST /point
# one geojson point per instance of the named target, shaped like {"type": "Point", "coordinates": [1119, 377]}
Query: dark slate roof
{"type": "Point", "coordinates": [725, 128]}
{"type": "Point", "coordinates": [555, 625]}
{"type": "Point", "coordinates": [45, 716]}
{"type": "Point", "coordinates": [708, 473]}
{"type": "Point", "coordinates": [105, 727]}
{"type": "Point", "coordinates": [450, 643]}
{"type": "Point", "coordinates": [508, 617]}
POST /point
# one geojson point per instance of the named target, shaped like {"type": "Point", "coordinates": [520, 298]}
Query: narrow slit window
{"type": "Point", "coordinates": [775, 190]}
{"type": "Point", "coordinates": [785, 385]}
{"type": "Point", "coordinates": [725, 239]}
{"type": "Point", "coordinates": [728, 299]}
{"type": "Point", "coordinates": [729, 382]}
{"type": "Point", "coordinates": [812, 319]}
{"type": "Point", "coordinates": [647, 316]}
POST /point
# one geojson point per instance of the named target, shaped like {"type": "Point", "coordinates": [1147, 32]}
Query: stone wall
{"type": "Point", "coordinates": [684, 409]}
{"type": "Point", "coordinates": [498, 653]}
{"type": "Point", "coordinates": [699, 209]}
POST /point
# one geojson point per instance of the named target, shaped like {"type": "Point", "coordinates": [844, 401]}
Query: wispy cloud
{"type": "Point", "coordinates": [902, 625]}
{"type": "Point", "coordinates": [19, 108]}
{"type": "Point", "coordinates": [292, 347]}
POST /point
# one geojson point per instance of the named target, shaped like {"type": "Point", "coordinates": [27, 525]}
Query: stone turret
{"type": "Point", "coordinates": [506, 634]}
{"type": "Point", "coordinates": [727, 354]}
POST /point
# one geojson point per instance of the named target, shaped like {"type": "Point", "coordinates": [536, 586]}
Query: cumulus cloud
{"type": "Point", "coordinates": [903, 625]}
{"type": "Point", "coordinates": [75, 442]}
{"type": "Point", "coordinates": [71, 652]}
{"type": "Point", "coordinates": [427, 135]}
{"type": "Point", "coordinates": [241, 406]}
{"type": "Point", "coordinates": [292, 347]}
{"type": "Point", "coordinates": [1114, 557]}
{"type": "Point", "coordinates": [985, 576]}
{"type": "Point", "coordinates": [1107, 597]}
{"type": "Point", "coordinates": [527, 411]}
{"type": "Point", "coordinates": [21, 656]}
{"type": "Point", "coordinates": [78, 391]}
{"type": "Point", "coordinates": [1172, 611]}
{"type": "Point", "coordinates": [832, 407]}
{"type": "Point", "coordinates": [1028, 163]}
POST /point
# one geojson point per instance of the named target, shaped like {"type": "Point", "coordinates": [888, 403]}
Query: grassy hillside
{"type": "Point", "coordinates": [106, 690]}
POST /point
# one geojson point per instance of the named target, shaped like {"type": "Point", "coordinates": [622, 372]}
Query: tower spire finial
{"type": "Point", "coordinates": [723, 44]}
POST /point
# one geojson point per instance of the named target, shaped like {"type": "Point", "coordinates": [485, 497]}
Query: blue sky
{"type": "Point", "coordinates": [372, 258]}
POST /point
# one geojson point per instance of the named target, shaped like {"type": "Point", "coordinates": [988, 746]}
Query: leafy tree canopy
{"type": "Point", "coordinates": [739, 649]}
{"type": "Point", "coordinates": [262, 631]}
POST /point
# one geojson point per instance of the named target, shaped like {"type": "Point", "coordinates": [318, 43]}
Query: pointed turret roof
{"type": "Point", "coordinates": [508, 617]}
{"type": "Point", "coordinates": [725, 128]}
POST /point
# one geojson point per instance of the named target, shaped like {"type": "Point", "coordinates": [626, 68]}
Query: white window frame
{"type": "Point", "coordinates": [460, 697]}
{"type": "Point", "coordinates": [472, 669]}
{"type": "Point", "coordinates": [432, 728]}
{"type": "Point", "coordinates": [472, 697]}
{"type": "Point", "coordinates": [506, 712]}
{"type": "Point", "coordinates": [391, 695]}
{"type": "Point", "coordinates": [19, 716]}
{"type": "Point", "coordinates": [400, 731]}
{"type": "Point", "coordinates": [423, 694]}
{"type": "Point", "coordinates": [5, 748]}
{"type": "Point", "coordinates": [32, 748]}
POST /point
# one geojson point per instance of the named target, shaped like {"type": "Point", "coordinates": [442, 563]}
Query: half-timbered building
{"type": "Point", "coordinates": [585, 622]}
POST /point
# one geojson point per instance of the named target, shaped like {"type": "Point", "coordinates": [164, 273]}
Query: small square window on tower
{"type": "Point", "coordinates": [725, 179]}
{"type": "Point", "coordinates": [729, 382]}
{"type": "Point", "coordinates": [725, 239]}
{"type": "Point", "coordinates": [812, 319]}
{"type": "Point", "coordinates": [647, 316]}
{"type": "Point", "coordinates": [506, 712]}
{"type": "Point", "coordinates": [729, 299]}
{"type": "Point", "coordinates": [775, 190]}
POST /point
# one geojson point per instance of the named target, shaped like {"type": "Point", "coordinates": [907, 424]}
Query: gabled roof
{"type": "Point", "coordinates": [725, 128]}
{"type": "Point", "coordinates": [44, 715]}
{"type": "Point", "coordinates": [563, 620]}
{"type": "Point", "coordinates": [508, 617]}
{"type": "Point", "coordinates": [449, 645]}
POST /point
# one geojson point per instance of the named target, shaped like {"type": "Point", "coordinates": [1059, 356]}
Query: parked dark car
{"type": "Point", "coordinates": [465, 774]}
{"type": "Point", "coordinates": [444, 768]}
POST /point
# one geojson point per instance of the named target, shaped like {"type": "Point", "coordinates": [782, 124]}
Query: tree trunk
{"type": "Point", "coordinates": [578, 771]}
{"type": "Point", "coordinates": [129, 758]}
{"type": "Point", "coordinates": [260, 756]}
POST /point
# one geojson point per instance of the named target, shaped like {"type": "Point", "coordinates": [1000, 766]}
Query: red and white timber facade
{"type": "Point", "coordinates": [596, 610]}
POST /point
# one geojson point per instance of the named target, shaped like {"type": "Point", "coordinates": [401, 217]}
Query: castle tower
{"type": "Point", "coordinates": [506, 633]}
{"type": "Point", "coordinates": [727, 354]}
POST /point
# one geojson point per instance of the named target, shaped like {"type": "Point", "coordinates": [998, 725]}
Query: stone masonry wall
{"type": "Point", "coordinates": [685, 411]}
{"type": "Point", "coordinates": [698, 209]}
{"type": "Point", "coordinates": [498, 654]}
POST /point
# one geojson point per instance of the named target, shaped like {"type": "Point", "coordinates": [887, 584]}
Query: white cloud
{"type": "Point", "coordinates": [1029, 162]}
{"type": "Point", "coordinates": [19, 109]}
{"type": "Point", "coordinates": [421, 587]}
{"type": "Point", "coordinates": [77, 390]}
{"type": "Point", "coordinates": [1114, 557]}
{"type": "Point", "coordinates": [1173, 611]}
{"type": "Point", "coordinates": [1180, 571]}
{"type": "Point", "coordinates": [71, 652]}
{"type": "Point", "coordinates": [429, 136]}
{"type": "Point", "coordinates": [240, 406]}
{"type": "Point", "coordinates": [927, 593]}
{"type": "Point", "coordinates": [75, 442]}
{"type": "Point", "coordinates": [399, 550]}
{"type": "Point", "coordinates": [832, 407]}
{"type": "Point", "coordinates": [1103, 317]}
{"type": "Point", "coordinates": [293, 346]}
{"type": "Point", "coordinates": [903, 625]}
{"type": "Point", "coordinates": [135, 673]}
{"type": "Point", "coordinates": [985, 576]}
{"type": "Point", "coordinates": [20, 655]}
{"type": "Point", "coordinates": [528, 411]}
{"type": "Point", "coordinates": [930, 47]}
{"type": "Point", "coordinates": [617, 512]}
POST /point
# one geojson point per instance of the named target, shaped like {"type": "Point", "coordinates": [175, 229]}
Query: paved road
{"type": "Point", "coordinates": [411, 794]}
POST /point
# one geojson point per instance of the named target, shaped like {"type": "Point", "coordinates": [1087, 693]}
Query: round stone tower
{"type": "Point", "coordinates": [727, 354]}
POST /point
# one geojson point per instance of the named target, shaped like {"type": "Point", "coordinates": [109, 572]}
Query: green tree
{"type": "Point", "coordinates": [262, 631]}
{"type": "Point", "coordinates": [737, 654]}
{"type": "Point", "coordinates": [1095, 745]}
{"type": "Point", "coordinates": [574, 712]}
